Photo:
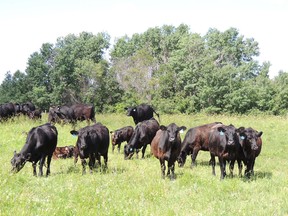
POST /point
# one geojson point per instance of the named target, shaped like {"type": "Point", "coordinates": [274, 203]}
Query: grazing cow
{"type": "Point", "coordinates": [251, 145]}
{"type": "Point", "coordinates": [121, 135]}
{"type": "Point", "coordinates": [70, 114]}
{"type": "Point", "coordinates": [63, 152]}
{"type": "Point", "coordinates": [166, 146]}
{"type": "Point", "coordinates": [65, 113]}
{"type": "Point", "coordinates": [40, 143]}
{"type": "Point", "coordinates": [224, 143]}
{"type": "Point", "coordinates": [7, 111]}
{"type": "Point", "coordinates": [84, 112]}
{"type": "Point", "coordinates": [92, 142]}
{"type": "Point", "coordinates": [196, 139]}
{"type": "Point", "coordinates": [27, 107]}
{"type": "Point", "coordinates": [143, 134]}
{"type": "Point", "coordinates": [141, 112]}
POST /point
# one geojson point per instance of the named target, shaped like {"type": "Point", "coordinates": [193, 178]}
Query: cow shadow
{"type": "Point", "coordinates": [257, 175]}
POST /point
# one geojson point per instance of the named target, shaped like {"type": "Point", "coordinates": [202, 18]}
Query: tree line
{"type": "Point", "coordinates": [172, 68]}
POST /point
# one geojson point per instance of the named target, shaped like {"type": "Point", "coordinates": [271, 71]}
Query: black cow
{"type": "Point", "coordinates": [166, 146]}
{"type": "Point", "coordinates": [141, 112]}
{"type": "Point", "coordinates": [251, 145]}
{"type": "Point", "coordinates": [143, 134]}
{"type": "Point", "coordinates": [84, 112]}
{"type": "Point", "coordinates": [7, 111]}
{"type": "Point", "coordinates": [196, 139]}
{"type": "Point", "coordinates": [121, 135]}
{"type": "Point", "coordinates": [40, 143]}
{"type": "Point", "coordinates": [92, 142]}
{"type": "Point", "coordinates": [27, 107]}
{"type": "Point", "coordinates": [65, 113]}
{"type": "Point", "coordinates": [52, 115]}
{"type": "Point", "coordinates": [223, 142]}
{"type": "Point", "coordinates": [70, 114]}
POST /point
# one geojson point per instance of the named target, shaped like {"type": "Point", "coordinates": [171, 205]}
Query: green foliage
{"type": "Point", "coordinates": [169, 67]}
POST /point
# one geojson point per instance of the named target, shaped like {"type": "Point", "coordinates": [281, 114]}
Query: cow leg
{"type": "Point", "coordinates": [231, 167]}
{"type": "Point", "coordinates": [194, 155]}
{"type": "Point", "coordinates": [162, 164]}
{"type": "Point", "coordinates": [143, 150]}
{"type": "Point", "coordinates": [75, 159]}
{"type": "Point", "coordinates": [240, 167]}
{"type": "Point", "coordinates": [98, 159]}
{"type": "Point", "coordinates": [91, 162]}
{"type": "Point", "coordinates": [171, 167]}
{"type": "Point", "coordinates": [34, 164]}
{"type": "Point", "coordinates": [252, 167]}
{"type": "Point", "coordinates": [137, 151]}
{"type": "Point", "coordinates": [222, 167]}
{"type": "Point", "coordinates": [119, 145]}
{"type": "Point", "coordinates": [83, 162]}
{"type": "Point", "coordinates": [249, 168]}
{"type": "Point", "coordinates": [41, 164]}
{"type": "Point", "coordinates": [213, 163]}
{"type": "Point", "coordinates": [48, 164]}
{"type": "Point", "coordinates": [105, 160]}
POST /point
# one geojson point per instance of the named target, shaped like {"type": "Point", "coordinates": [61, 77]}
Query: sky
{"type": "Point", "coordinates": [27, 24]}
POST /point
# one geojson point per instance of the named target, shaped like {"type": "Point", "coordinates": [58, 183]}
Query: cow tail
{"type": "Point", "coordinates": [93, 114]}
{"type": "Point", "coordinates": [157, 115]}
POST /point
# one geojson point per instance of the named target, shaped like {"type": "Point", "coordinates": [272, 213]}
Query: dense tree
{"type": "Point", "coordinates": [169, 67]}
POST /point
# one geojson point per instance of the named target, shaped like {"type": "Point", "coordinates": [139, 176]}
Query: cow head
{"type": "Point", "coordinates": [172, 131]}
{"type": "Point", "coordinates": [229, 133]}
{"type": "Point", "coordinates": [128, 151]}
{"type": "Point", "coordinates": [115, 136]}
{"type": "Point", "coordinates": [131, 111]}
{"type": "Point", "coordinates": [18, 161]}
{"type": "Point", "coordinates": [248, 137]}
{"type": "Point", "coordinates": [81, 141]}
{"type": "Point", "coordinates": [181, 158]}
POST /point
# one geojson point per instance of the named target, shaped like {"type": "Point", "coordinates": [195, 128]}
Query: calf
{"type": "Point", "coordinates": [40, 143]}
{"type": "Point", "coordinates": [121, 135]}
{"type": "Point", "coordinates": [166, 146]}
{"type": "Point", "coordinates": [223, 142]}
{"type": "Point", "coordinates": [35, 114]}
{"type": "Point", "coordinates": [251, 145]}
{"type": "Point", "coordinates": [142, 136]}
{"type": "Point", "coordinates": [92, 142]}
{"type": "Point", "coordinates": [63, 152]}
{"type": "Point", "coordinates": [196, 139]}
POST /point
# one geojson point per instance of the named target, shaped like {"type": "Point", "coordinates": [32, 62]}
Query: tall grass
{"type": "Point", "coordinates": [135, 187]}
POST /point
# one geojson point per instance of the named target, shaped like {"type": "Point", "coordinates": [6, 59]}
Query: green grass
{"type": "Point", "coordinates": [135, 187]}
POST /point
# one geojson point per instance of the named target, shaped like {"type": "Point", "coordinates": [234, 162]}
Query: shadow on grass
{"type": "Point", "coordinates": [258, 175]}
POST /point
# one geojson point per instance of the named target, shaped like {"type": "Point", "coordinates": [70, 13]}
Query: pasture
{"type": "Point", "coordinates": [135, 187]}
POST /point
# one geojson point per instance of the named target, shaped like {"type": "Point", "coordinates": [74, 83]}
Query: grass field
{"type": "Point", "coordinates": [135, 187]}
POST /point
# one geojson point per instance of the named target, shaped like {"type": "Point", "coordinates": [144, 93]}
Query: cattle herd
{"type": "Point", "coordinates": [10, 110]}
{"type": "Point", "coordinates": [226, 142]}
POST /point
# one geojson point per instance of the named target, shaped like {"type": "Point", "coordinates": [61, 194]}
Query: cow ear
{"type": "Point", "coordinates": [15, 152]}
{"type": "Point", "coordinates": [162, 127]}
{"type": "Point", "coordinates": [240, 130]}
{"type": "Point", "coordinates": [221, 129]}
{"type": "Point", "coordinates": [125, 108]}
{"type": "Point", "coordinates": [182, 129]}
{"type": "Point", "coordinates": [259, 134]}
{"type": "Point", "coordinates": [74, 133]}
